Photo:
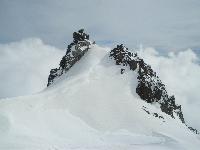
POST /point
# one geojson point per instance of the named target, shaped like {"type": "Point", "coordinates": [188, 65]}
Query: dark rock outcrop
{"type": "Point", "coordinates": [150, 88]}
{"type": "Point", "coordinates": [75, 51]}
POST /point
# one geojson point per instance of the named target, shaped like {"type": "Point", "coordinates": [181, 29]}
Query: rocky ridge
{"type": "Point", "coordinates": [150, 88]}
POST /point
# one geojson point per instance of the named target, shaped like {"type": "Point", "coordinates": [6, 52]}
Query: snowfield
{"type": "Point", "coordinates": [92, 107]}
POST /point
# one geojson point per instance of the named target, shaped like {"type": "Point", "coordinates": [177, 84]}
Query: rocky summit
{"type": "Point", "coordinates": [75, 51]}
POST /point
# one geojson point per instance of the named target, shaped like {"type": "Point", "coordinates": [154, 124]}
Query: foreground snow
{"type": "Point", "coordinates": [93, 106]}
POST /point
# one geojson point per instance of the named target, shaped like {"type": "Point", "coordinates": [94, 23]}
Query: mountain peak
{"type": "Point", "coordinates": [149, 86]}
{"type": "Point", "coordinates": [100, 98]}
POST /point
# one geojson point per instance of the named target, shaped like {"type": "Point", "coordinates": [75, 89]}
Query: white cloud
{"type": "Point", "coordinates": [25, 66]}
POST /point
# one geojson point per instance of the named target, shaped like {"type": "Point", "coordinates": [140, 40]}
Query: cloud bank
{"type": "Point", "coordinates": [25, 66]}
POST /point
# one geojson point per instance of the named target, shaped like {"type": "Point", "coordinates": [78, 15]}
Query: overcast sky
{"type": "Point", "coordinates": [164, 24]}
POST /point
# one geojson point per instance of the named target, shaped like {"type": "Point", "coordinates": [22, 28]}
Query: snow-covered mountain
{"type": "Point", "coordinates": [98, 98]}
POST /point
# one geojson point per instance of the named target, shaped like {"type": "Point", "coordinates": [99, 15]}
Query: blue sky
{"type": "Point", "coordinates": [163, 24]}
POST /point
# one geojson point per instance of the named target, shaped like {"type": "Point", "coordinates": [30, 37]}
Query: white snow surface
{"type": "Point", "coordinates": [93, 107]}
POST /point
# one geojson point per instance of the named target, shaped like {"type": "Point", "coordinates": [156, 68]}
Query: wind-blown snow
{"type": "Point", "coordinates": [93, 106]}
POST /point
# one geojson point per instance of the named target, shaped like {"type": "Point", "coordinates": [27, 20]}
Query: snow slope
{"type": "Point", "coordinates": [93, 106]}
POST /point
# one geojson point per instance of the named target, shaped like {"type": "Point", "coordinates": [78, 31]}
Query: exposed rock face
{"type": "Point", "coordinates": [149, 88]}
{"type": "Point", "coordinates": [75, 51]}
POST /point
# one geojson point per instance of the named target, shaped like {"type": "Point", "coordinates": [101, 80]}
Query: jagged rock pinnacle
{"type": "Point", "coordinates": [75, 51]}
